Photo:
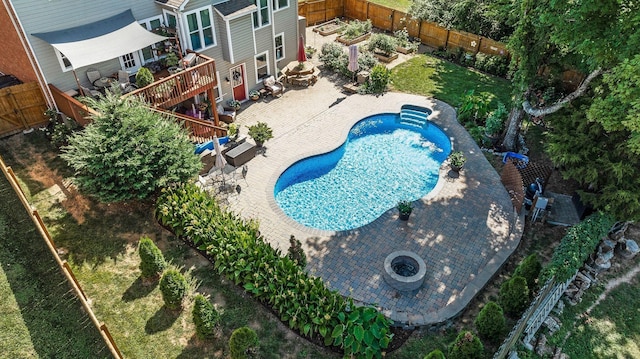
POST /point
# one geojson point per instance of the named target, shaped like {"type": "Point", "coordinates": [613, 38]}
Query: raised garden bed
{"type": "Point", "coordinates": [329, 27]}
{"type": "Point", "coordinates": [404, 50]}
{"type": "Point", "coordinates": [356, 40]}
{"type": "Point", "coordinates": [384, 58]}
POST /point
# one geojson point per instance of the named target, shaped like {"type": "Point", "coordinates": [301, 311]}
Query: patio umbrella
{"type": "Point", "coordinates": [353, 59]}
{"type": "Point", "coordinates": [220, 162]}
{"type": "Point", "coordinates": [302, 55]}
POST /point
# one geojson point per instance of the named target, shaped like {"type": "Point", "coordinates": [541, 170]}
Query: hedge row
{"type": "Point", "coordinates": [242, 255]}
{"type": "Point", "coordinates": [580, 241]}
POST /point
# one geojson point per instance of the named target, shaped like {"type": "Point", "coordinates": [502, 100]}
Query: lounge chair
{"type": "Point", "coordinates": [226, 114]}
{"type": "Point", "coordinates": [93, 75]}
{"type": "Point", "coordinates": [273, 87]}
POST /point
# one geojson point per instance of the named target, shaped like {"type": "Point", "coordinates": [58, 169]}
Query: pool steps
{"type": "Point", "coordinates": [414, 117]}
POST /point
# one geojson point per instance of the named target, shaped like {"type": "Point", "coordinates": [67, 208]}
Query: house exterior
{"type": "Point", "coordinates": [248, 39]}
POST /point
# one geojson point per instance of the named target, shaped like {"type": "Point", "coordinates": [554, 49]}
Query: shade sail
{"type": "Point", "coordinates": [101, 40]}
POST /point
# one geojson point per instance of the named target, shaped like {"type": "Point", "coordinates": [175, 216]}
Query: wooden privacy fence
{"type": "Point", "coordinates": [21, 107]}
{"type": "Point", "coordinates": [389, 19]}
{"type": "Point", "coordinates": [64, 266]}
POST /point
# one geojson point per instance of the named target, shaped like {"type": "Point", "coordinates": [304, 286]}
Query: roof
{"type": "Point", "coordinates": [234, 8]}
{"type": "Point", "coordinates": [174, 4]}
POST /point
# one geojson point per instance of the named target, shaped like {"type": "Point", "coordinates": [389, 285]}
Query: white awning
{"type": "Point", "coordinates": [102, 40]}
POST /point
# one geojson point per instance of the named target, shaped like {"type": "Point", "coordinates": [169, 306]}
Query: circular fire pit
{"type": "Point", "coordinates": [404, 270]}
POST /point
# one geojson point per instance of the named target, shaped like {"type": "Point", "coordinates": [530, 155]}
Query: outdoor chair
{"type": "Point", "coordinates": [226, 114]}
{"type": "Point", "coordinates": [123, 77]}
{"type": "Point", "coordinates": [90, 93]}
{"type": "Point", "coordinates": [273, 87]}
{"type": "Point", "coordinates": [93, 75]}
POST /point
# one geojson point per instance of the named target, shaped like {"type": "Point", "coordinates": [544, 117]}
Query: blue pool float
{"type": "Point", "coordinates": [521, 161]}
{"type": "Point", "coordinates": [201, 147]}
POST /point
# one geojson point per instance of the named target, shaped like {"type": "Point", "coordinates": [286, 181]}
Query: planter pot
{"type": "Point", "coordinates": [259, 144]}
{"type": "Point", "coordinates": [404, 216]}
{"type": "Point", "coordinates": [255, 98]}
{"type": "Point", "coordinates": [348, 42]}
{"type": "Point", "coordinates": [384, 58]}
{"type": "Point", "coordinates": [456, 169]}
{"type": "Point", "coordinates": [173, 70]}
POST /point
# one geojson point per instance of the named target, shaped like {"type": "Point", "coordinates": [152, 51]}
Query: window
{"type": "Point", "coordinates": [262, 66]}
{"type": "Point", "coordinates": [170, 19]}
{"type": "Point", "coordinates": [280, 4]}
{"type": "Point", "coordinates": [64, 62]}
{"type": "Point", "coordinates": [279, 46]}
{"type": "Point", "coordinates": [128, 61]}
{"type": "Point", "coordinates": [200, 25]}
{"type": "Point", "coordinates": [148, 54]}
{"type": "Point", "coordinates": [261, 16]}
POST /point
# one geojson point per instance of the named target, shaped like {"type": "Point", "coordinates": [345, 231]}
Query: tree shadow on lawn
{"type": "Point", "coordinates": [162, 320]}
{"type": "Point", "coordinates": [139, 289]}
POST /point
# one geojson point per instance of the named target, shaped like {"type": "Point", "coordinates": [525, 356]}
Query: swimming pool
{"type": "Point", "coordinates": [386, 158]}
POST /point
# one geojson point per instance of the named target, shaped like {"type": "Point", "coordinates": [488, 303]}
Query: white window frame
{"type": "Point", "coordinates": [257, 15]}
{"type": "Point", "coordinates": [276, 5]}
{"type": "Point", "coordinates": [255, 62]}
{"type": "Point", "coordinates": [219, 88]}
{"type": "Point", "coordinates": [61, 58]}
{"type": "Point", "coordinates": [147, 25]}
{"type": "Point", "coordinates": [275, 46]}
{"type": "Point", "coordinates": [200, 29]}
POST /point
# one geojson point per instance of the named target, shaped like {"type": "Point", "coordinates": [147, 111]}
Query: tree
{"type": "Point", "coordinates": [514, 295]}
{"type": "Point", "coordinates": [529, 269]}
{"type": "Point", "coordinates": [205, 317]}
{"type": "Point", "coordinates": [173, 287]}
{"type": "Point", "coordinates": [466, 346]}
{"type": "Point", "coordinates": [151, 259]}
{"type": "Point", "coordinates": [490, 322]}
{"type": "Point", "coordinates": [243, 343]}
{"type": "Point", "coordinates": [129, 152]}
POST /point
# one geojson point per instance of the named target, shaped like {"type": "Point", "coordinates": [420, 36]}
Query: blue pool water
{"type": "Point", "coordinates": [382, 162]}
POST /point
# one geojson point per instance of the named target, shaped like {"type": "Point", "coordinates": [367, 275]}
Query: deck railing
{"type": "Point", "coordinates": [200, 131]}
{"type": "Point", "coordinates": [181, 86]}
{"type": "Point", "coordinates": [71, 107]}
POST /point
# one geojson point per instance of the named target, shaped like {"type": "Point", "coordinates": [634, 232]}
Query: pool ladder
{"type": "Point", "coordinates": [414, 117]}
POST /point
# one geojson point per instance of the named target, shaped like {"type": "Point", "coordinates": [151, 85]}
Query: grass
{"type": "Point", "coordinates": [401, 5]}
{"type": "Point", "coordinates": [424, 342]}
{"type": "Point", "coordinates": [432, 77]}
{"type": "Point", "coordinates": [41, 316]}
{"type": "Point", "coordinates": [100, 243]}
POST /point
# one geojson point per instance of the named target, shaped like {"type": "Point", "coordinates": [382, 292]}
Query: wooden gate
{"type": "Point", "coordinates": [21, 107]}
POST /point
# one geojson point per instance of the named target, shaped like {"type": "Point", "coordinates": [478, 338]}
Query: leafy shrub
{"type": "Point", "coordinates": [529, 269]}
{"type": "Point", "coordinates": [260, 132]}
{"type": "Point", "coordinates": [205, 317]}
{"type": "Point", "coordinates": [402, 39]}
{"type": "Point", "coordinates": [378, 79]}
{"type": "Point", "coordinates": [360, 332]}
{"type": "Point", "coordinates": [152, 261]}
{"type": "Point", "coordinates": [173, 288]}
{"type": "Point", "coordinates": [514, 295]}
{"type": "Point", "coordinates": [466, 346]}
{"type": "Point", "coordinates": [435, 354]}
{"type": "Point", "coordinates": [333, 57]}
{"type": "Point", "coordinates": [296, 253]}
{"type": "Point", "coordinates": [243, 256]}
{"type": "Point", "coordinates": [492, 64]}
{"type": "Point", "coordinates": [128, 152]}
{"type": "Point", "coordinates": [575, 247]}
{"type": "Point", "coordinates": [243, 343]}
{"type": "Point", "coordinates": [495, 119]}
{"type": "Point", "coordinates": [383, 43]}
{"type": "Point", "coordinates": [356, 28]}
{"type": "Point", "coordinates": [490, 322]}
{"type": "Point", "coordinates": [366, 61]}
{"type": "Point", "coordinates": [144, 77]}
{"type": "Point", "coordinates": [473, 108]}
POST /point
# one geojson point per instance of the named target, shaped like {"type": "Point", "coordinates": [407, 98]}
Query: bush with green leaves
{"type": "Point", "coordinates": [514, 295]}
{"type": "Point", "coordinates": [129, 152]}
{"type": "Point", "coordinates": [490, 322]}
{"type": "Point", "coordinates": [152, 261]}
{"type": "Point", "coordinates": [378, 79]}
{"type": "Point", "coordinates": [144, 77]}
{"type": "Point", "coordinates": [435, 354]}
{"type": "Point", "coordinates": [242, 255]}
{"type": "Point", "coordinates": [529, 269]}
{"type": "Point", "coordinates": [333, 55]}
{"type": "Point", "coordinates": [496, 119]}
{"type": "Point", "coordinates": [473, 108]}
{"type": "Point", "coordinates": [576, 246]}
{"type": "Point", "coordinates": [466, 346]}
{"type": "Point", "coordinates": [382, 43]}
{"type": "Point", "coordinates": [243, 343]}
{"type": "Point", "coordinates": [356, 28]}
{"type": "Point", "coordinates": [173, 287]}
{"type": "Point", "coordinates": [205, 317]}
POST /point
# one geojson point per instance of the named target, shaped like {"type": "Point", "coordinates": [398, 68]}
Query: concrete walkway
{"type": "Point", "coordinates": [464, 230]}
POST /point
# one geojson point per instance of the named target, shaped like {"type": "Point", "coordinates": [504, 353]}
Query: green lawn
{"type": "Point", "coordinates": [101, 242]}
{"type": "Point", "coordinates": [402, 5]}
{"type": "Point", "coordinates": [430, 76]}
{"type": "Point", "coordinates": [39, 314]}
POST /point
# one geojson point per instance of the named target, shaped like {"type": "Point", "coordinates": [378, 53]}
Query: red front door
{"type": "Point", "coordinates": [236, 74]}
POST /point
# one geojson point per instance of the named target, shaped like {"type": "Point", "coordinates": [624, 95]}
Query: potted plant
{"type": "Point", "coordinates": [494, 122]}
{"type": "Point", "coordinates": [457, 160]}
{"type": "Point", "coordinates": [171, 60]}
{"type": "Point", "coordinates": [254, 95]}
{"type": "Point", "coordinates": [144, 77]}
{"type": "Point", "coordinates": [405, 208]}
{"type": "Point", "coordinates": [232, 131]}
{"type": "Point", "coordinates": [235, 104]}
{"type": "Point", "coordinates": [260, 132]}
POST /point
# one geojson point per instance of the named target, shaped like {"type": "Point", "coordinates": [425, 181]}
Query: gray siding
{"type": "Point", "coordinates": [286, 20]}
{"type": "Point", "coordinates": [43, 16]}
{"type": "Point", "coordinates": [242, 37]}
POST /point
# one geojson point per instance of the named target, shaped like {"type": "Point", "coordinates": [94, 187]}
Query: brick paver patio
{"type": "Point", "coordinates": [464, 229]}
